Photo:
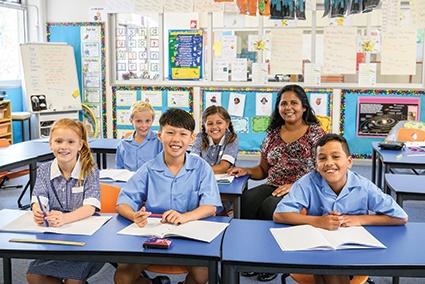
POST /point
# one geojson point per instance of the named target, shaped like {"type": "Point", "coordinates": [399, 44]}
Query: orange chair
{"type": "Point", "coordinates": [309, 279]}
{"type": "Point", "coordinates": [108, 199]}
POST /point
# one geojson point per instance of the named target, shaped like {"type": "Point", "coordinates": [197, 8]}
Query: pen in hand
{"type": "Point", "coordinates": [42, 210]}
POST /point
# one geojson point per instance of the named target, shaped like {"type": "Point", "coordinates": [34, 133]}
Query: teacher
{"type": "Point", "coordinates": [287, 153]}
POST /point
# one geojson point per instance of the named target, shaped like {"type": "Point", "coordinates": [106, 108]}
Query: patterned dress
{"type": "Point", "coordinates": [289, 161]}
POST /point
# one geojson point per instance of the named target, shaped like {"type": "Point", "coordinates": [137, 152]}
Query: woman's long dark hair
{"type": "Point", "coordinates": [308, 116]}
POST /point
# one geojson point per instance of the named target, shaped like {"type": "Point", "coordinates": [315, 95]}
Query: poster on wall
{"type": "Point", "coordinates": [185, 54]}
{"type": "Point", "coordinates": [377, 115]}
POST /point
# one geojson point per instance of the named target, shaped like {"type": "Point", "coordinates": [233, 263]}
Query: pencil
{"type": "Point", "coordinates": [44, 212]}
{"type": "Point", "coordinates": [155, 215]}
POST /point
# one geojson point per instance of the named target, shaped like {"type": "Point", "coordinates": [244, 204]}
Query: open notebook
{"type": "Point", "coordinates": [307, 237]}
{"type": "Point", "coordinates": [204, 231]}
{"type": "Point", "coordinates": [115, 175]}
{"type": "Point", "coordinates": [25, 223]}
{"type": "Point", "coordinates": [223, 178]}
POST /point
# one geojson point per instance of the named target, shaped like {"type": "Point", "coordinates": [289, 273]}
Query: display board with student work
{"type": "Point", "coordinates": [251, 109]}
{"type": "Point", "coordinates": [368, 115]}
{"type": "Point", "coordinates": [161, 98]}
{"type": "Point", "coordinates": [88, 40]}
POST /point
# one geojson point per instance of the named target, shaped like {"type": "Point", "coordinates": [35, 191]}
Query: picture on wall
{"type": "Point", "coordinates": [376, 116]}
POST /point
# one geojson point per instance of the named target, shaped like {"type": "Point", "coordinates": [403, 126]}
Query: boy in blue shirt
{"type": "Point", "coordinates": [143, 144]}
{"type": "Point", "coordinates": [180, 186]}
{"type": "Point", "coordinates": [334, 197]}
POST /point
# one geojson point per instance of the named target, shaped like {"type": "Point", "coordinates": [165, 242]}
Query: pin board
{"type": "Point", "coordinates": [51, 81]}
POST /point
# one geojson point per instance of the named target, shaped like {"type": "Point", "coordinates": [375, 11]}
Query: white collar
{"type": "Point", "coordinates": [56, 172]}
{"type": "Point", "coordinates": [219, 143]}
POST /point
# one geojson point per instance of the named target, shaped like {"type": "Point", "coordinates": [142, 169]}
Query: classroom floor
{"type": "Point", "coordinates": [8, 199]}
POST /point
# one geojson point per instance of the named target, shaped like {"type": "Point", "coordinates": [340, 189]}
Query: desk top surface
{"type": "Point", "coordinates": [406, 183]}
{"type": "Point", "coordinates": [106, 240]}
{"type": "Point", "coordinates": [32, 149]}
{"type": "Point", "coordinates": [250, 241]}
{"type": "Point", "coordinates": [405, 156]}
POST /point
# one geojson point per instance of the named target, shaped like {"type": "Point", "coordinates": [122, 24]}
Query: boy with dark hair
{"type": "Point", "coordinates": [334, 197]}
{"type": "Point", "coordinates": [180, 186]}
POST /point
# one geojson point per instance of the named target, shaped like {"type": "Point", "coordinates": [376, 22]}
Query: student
{"type": "Point", "coordinates": [143, 145]}
{"type": "Point", "coordinates": [217, 143]}
{"type": "Point", "coordinates": [334, 197]}
{"type": "Point", "coordinates": [180, 186]}
{"type": "Point", "coordinates": [68, 187]}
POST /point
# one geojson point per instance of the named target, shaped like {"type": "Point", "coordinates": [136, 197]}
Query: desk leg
{"type": "Point", "coordinates": [7, 270]}
{"type": "Point", "coordinates": [229, 275]}
{"type": "Point", "coordinates": [237, 207]}
{"type": "Point", "coordinates": [399, 199]}
{"type": "Point", "coordinates": [374, 166]}
{"type": "Point", "coordinates": [396, 280]}
{"type": "Point", "coordinates": [104, 161]}
{"type": "Point", "coordinates": [212, 272]}
{"type": "Point", "coordinates": [33, 175]}
{"type": "Point", "coordinates": [98, 160]}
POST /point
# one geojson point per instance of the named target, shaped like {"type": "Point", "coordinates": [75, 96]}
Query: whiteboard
{"type": "Point", "coordinates": [50, 75]}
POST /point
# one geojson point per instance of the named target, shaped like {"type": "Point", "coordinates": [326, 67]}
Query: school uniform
{"type": "Point", "coordinates": [194, 185]}
{"type": "Point", "coordinates": [132, 155]}
{"type": "Point", "coordinates": [216, 152]}
{"type": "Point", "coordinates": [359, 196]}
{"type": "Point", "coordinates": [58, 193]}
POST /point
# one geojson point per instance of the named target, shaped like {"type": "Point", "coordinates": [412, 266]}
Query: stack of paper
{"type": "Point", "coordinates": [115, 175]}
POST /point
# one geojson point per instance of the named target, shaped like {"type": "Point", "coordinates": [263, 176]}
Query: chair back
{"type": "Point", "coordinates": [4, 142]}
{"type": "Point", "coordinates": [108, 198]}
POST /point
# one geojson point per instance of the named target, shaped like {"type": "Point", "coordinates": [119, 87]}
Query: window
{"type": "Point", "coordinates": [11, 35]}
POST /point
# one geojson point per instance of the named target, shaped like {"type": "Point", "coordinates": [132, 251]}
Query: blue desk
{"type": "Point", "coordinates": [107, 246]}
{"type": "Point", "coordinates": [26, 153]}
{"type": "Point", "coordinates": [248, 245]}
{"type": "Point", "coordinates": [405, 187]}
{"type": "Point", "coordinates": [102, 147]}
{"type": "Point", "coordinates": [393, 159]}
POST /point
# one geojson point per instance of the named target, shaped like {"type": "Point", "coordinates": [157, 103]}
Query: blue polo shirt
{"type": "Point", "coordinates": [194, 185]}
{"type": "Point", "coordinates": [131, 155]}
{"type": "Point", "coordinates": [359, 196]}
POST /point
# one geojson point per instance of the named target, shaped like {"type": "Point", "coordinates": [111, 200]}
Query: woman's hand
{"type": "Point", "coordinates": [282, 190]}
{"type": "Point", "coordinates": [237, 172]}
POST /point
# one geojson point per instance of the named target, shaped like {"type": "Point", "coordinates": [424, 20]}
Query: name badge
{"type": "Point", "coordinates": [77, 189]}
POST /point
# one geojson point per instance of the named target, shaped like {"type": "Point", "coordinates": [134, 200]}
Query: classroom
{"type": "Point", "coordinates": [360, 65]}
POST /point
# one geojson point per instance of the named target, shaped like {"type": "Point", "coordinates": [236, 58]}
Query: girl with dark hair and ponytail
{"type": "Point", "coordinates": [217, 143]}
{"type": "Point", "coordinates": [68, 190]}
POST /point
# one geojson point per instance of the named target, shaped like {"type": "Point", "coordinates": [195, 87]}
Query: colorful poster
{"type": "Point", "coordinates": [185, 54]}
{"type": "Point", "coordinates": [376, 116]}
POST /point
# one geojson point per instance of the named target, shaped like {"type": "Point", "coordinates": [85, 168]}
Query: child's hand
{"type": "Point", "coordinates": [141, 217]}
{"type": "Point", "coordinates": [38, 216]}
{"type": "Point", "coordinates": [331, 221]}
{"type": "Point", "coordinates": [351, 220]}
{"type": "Point", "coordinates": [174, 217]}
{"type": "Point", "coordinates": [56, 218]}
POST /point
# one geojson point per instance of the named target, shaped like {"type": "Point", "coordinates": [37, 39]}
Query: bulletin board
{"type": "Point", "coordinates": [161, 98]}
{"type": "Point", "coordinates": [361, 146]}
{"type": "Point", "coordinates": [251, 126]}
{"type": "Point", "coordinates": [51, 81]}
{"type": "Point", "coordinates": [88, 40]}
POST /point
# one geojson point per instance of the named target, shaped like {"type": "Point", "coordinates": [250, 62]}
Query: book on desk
{"type": "Point", "coordinates": [24, 222]}
{"type": "Point", "coordinates": [223, 178]}
{"type": "Point", "coordinates": [199, 230]}
{"type": "Point", "coordinates": [115, 175]}
{"type": "Point", "coordinates": [307, 237]}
